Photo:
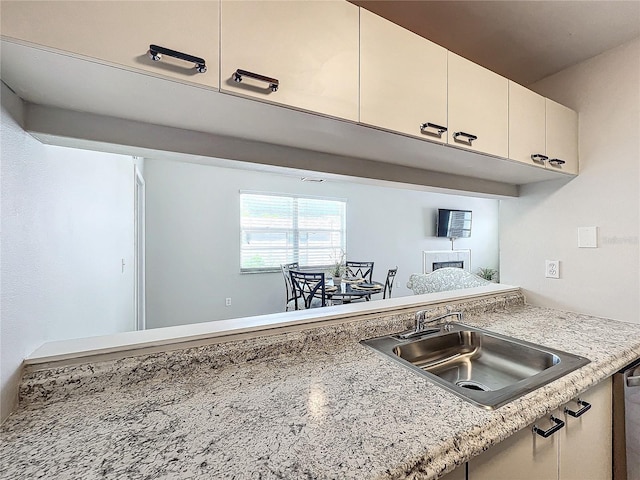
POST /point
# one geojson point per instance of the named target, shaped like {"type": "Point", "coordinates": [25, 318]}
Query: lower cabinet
{"type": "Point", "coordinates": [580, 450]}
{"type": "Point", "coordinates": [459, 473]}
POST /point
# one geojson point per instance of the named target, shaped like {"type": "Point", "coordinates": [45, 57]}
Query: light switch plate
{"type": "Point", "coordinates": [587, 237]}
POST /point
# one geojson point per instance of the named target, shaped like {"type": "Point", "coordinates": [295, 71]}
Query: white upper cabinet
{"type": "Point", "coordinates": [300, 54]}
{"type": "Point", "coordinates": [478, 104]}
{"type": "Point", "coordinates": [121, 32]}
{"type": "Point", "coordinates": [562, 137]}
{"type": "Point", "coordinates": [527, 121]}
{"type": "Point", "coordinates": [403, 80]}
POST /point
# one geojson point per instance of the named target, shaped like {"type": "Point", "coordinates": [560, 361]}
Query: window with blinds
{"type": "Point", "coordinates": [278, 229]}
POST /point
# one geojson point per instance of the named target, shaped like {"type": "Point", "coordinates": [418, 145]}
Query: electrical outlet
{"type": "Point", "coordinates": [552, 269]}
{"type": "Point", "coordinates": [227, 302]}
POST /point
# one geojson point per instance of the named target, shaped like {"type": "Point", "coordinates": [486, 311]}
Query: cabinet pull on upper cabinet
{"type": "Point", "coordinates": [556, 162]}
{"type": "Point", "coordinates": [155, 53]}
{"type": "Point", "coordinates": [547, 433]}
{"type": "Point", "coordinates": [273, 82]}
{"type": "Point", "coordinates": [439, 129]}
{"type": "Point", "coordinates": [581, 403]}
{"type": "Point", "coordinates": [539, 158]}
{"type": "Point", "coordinates": [469, 138]}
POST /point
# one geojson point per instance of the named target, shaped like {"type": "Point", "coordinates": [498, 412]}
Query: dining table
{"type": "Point", "coordinates": [350, 289]}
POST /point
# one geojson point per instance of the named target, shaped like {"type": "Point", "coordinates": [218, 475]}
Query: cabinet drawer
{"type": "Point", "coordinates": [310, 48]}
{"type": "Point", "coordinates": [120, 32]}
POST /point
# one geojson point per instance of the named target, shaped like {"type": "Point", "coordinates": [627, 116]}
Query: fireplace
{"type": "Point", "coordinates": [432, 260]}
{"type": "Point", "coordinates": [454, 264]}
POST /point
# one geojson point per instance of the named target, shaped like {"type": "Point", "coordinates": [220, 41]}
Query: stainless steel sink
{"type": "Point", "coordinates": [485, 368]}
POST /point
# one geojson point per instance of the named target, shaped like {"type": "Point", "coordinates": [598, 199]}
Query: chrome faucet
{"type": "Point", "coordinates": [422, 323]}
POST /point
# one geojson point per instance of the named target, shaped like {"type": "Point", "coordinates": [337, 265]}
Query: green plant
{"type": "Point", "coordinates": [338, 267]}
{"type": "Point", "coordinates": [487, 273]}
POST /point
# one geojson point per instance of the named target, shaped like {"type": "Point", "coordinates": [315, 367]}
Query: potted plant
{"type": "Point", "coordinates": [488, 274]}
{"type": "Point", "coordinates": [337, 269]}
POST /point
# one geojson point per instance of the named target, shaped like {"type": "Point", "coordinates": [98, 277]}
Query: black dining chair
{"type": "Point", "coordinates": [288, 287]}
{"type": "Point", "coordinates": [308, 287]}
{"type": "Point", "coordinates": [359, 269]}
{"type": "Point", "coordinates": [388, 284]}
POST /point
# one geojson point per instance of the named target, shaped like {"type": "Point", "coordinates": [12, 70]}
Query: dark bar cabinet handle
{"type": "Point", "coordinates": [469, 138]}
{"type": "Point", "coordinates": [585, 406]}
{"type": "Point", "coordinates": [556, 162]}
{"type": "Point", "coordinates": [439, 129]}
{"type": "Point", "coordinates": [155, 53]}
{"type": "Point", "coordinates": [539, 158]}
{"type": "Point", "coordinates": [547, 433]}
{"type": "Point", "coordinates": [273, 82]}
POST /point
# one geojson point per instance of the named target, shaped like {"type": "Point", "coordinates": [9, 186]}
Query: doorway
{"type": "Point", "coordinates": [139, 233]}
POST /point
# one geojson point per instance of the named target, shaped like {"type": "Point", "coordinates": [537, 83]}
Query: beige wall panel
{"type": "Point", "coordinates": [310, 47]}
{"type": "Point", "coordinates": [403, 79]}
{"type": "Point", "coordinates": [526, 124]}
{"type": "Point", "coordinates": [121, 32]}
{"type": "Point", "coordinates": [478, 104]}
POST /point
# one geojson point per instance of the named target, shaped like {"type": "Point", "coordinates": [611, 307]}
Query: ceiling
{"type": "Point", "coordinates": [522, 40]}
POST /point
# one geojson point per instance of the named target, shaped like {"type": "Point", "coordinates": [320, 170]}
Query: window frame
{"type": "Point", "coordinates": [295, 231]}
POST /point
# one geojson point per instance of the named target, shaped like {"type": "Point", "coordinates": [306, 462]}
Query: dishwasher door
{"type": "Point", "coordinates": [626, 423]}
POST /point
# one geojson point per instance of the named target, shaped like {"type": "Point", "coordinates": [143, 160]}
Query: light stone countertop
{"type": "Point", "coordinates": [310, 404]}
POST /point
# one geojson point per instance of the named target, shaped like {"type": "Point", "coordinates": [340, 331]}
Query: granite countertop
{"type": "Point", "coordinates": [310, 404]}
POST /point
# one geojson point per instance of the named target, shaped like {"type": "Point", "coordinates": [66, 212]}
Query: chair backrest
{"type": "Point", "coordinates": [360, 269]}
{"type": "Point", "coordinates": [288, 287]}
{"type": "Point", "coordinates": [388, 284]}
{"type": "Point", "coordinates": [308, 287]}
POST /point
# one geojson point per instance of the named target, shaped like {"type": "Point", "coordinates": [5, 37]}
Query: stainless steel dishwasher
{"type": "Point", "coordinates": [626, 423]}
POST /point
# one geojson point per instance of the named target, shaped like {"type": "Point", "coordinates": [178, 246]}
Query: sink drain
{"type": "Point", "coordinates": [471, 385]}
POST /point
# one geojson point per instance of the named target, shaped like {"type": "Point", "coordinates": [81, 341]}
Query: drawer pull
{"type": "Point", "coordinates": [633, 381]}
{"type": "Point", "coordinates": [439, 129]}
{"type": "Point", "coordinates": [556, 162]}
{"type": "Point", "coordinates": [273, 82]}
{"type": "Point", "coordinates": [539, 158]}
{"type": "Point", "coordinates": [155, 53]}
{"type": "Point", "coordinates": [547, 433]}
{"type": "Point", "coordinates": [469, 138]}
{"type": "Point", "coordinates": [585, 406]}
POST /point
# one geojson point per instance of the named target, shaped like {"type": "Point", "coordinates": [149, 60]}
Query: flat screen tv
{"type": "Point", "coordinates": [453, 223]}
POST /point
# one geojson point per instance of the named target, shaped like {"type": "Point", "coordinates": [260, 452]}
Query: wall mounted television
{"type": "Point", "coordinates": [453, 223]}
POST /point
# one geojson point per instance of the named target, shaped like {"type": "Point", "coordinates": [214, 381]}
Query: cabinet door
{"type": "Point", "coordinates": [523, 456]}
{"type": "Point", "coordinates": [459, 473]}
{"type": "Point", "coordinates": [120, 32]}
{"type": "Point", "coordinates": [527, 120]}
{"type": "Point", "coordinates": [586, 442]}
{"type": "Point", "coordinates": [478, 104]}
{"type": "Point", "coordinates": [310, 47]}
{"type": "Point", "coordinates": [562, 137]}
{"type": "Point", "coordinates": [403, 79]}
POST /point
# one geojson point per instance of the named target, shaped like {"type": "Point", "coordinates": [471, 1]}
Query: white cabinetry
{"type": "Point", "coordinates": [478, 105]}
{"type": "Point", "coordinates": [541, 131]}
{"type": "Point", "coordinates": [309, 48]}
{"type": "Point", "coordinates": [120, 32]}
{"type": "Point", "coordinates": [562, 137]}
{"type": "Point", "coordinates": [527, 121]}
{"type": "Point", "coordinates": [403, 80]}
{"type": "Point", "coordinates": [580, 450]}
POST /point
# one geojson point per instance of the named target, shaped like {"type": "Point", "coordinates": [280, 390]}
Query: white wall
{"type": "Point", "coordinates": [193, 237]}
{"type": "Point", "coordinates": [67, 221]}
{"type": "Point", "coordinates": [542, 223]}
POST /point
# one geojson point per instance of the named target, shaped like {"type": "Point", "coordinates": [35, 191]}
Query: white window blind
{"type": "Point", "coordinates": [278, 229]}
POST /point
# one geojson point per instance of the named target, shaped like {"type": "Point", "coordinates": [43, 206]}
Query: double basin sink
{"type": "Point", "coordinates": [485, 368]}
